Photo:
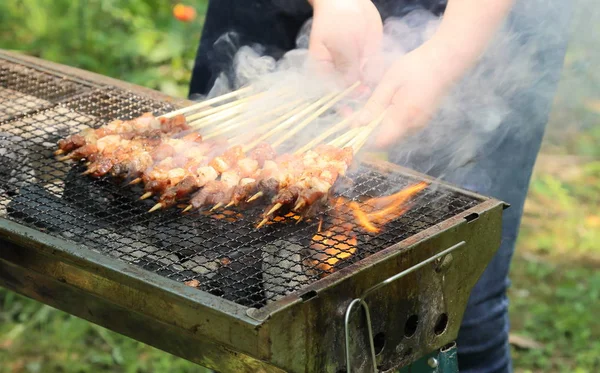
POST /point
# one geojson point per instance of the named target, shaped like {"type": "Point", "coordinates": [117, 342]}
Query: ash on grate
{"type": "Point", "coordinates": [36, 83]}
{"type": "Point", "coordinates": [37, 136]}
{"type": "Point", "coordinates": [13, 103]}
{"type": "Point", "coordinates": [105, 198]}
{"type": "Point", "coordinates": [12, 155]}
{"type": "Point", "coordinates": [35, 206]}
{"type": "Point", "coordinates": [283, 271]}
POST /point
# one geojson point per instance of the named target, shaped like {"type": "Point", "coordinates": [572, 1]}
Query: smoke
{"type": "Point", "coordinates": [508, 93]}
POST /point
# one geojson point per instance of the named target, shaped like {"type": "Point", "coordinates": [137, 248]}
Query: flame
{"type": "Point", "coordinates": [396, 200]}
{"type": "Point", "coordinates": [331, 248]}
{"type": "Point", "coordinates": [362, 218]}
{"type": "Point", "coordinates": [333, 245]}
{"type": "Point", "coordinates": [385, 209]}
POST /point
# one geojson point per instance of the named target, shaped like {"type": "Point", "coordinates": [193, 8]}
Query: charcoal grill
{"type": "Point", "coordinates": [212, 289]}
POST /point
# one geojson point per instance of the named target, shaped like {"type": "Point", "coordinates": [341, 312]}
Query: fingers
{"type": "Point", "coordinates": [401, 119]}
{"type": "Point", "coordinates": [321, 59]}
{"type": "Point", "coordinates": [377, 103]}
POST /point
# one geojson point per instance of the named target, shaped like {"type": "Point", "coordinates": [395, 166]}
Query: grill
{"type": "Point", "coordinates": [208, 286]}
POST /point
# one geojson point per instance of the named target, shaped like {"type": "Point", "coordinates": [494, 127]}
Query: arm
{"type": "Point", "coordinates": [466, 29]}
{"type": "Point", "coordinates": [345, 33]}
{"type": "Point", "coordinates": [412, 88]}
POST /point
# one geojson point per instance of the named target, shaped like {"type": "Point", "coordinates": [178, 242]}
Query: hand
{"type": "Point", "coordinates": [344, 34]}
{"type": "Point", "coordinates": [409, 92]}
{"type": "Point", "coordinates": [412, 88]}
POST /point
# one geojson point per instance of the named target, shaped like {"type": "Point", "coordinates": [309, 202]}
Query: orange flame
{"type": "Point", "coordinates": [331, 248]}
{"type": "Point", "coordinates": [362, 218]}
{"type": "Point", "coordinates": [386, 208]}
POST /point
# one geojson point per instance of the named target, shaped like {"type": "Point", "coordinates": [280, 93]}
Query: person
{"type": "Point", "coordinates": [344, 34]}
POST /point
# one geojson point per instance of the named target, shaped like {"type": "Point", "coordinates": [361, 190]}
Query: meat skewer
{"type": "Point", "coordinates": [321, 169]}
{"type": "Point", "coordinates": [131, 157]}
{"type": "Point", "coordinates": [174, 162]}
{"type": "Point", "coordinates": [141, 126]}
{"type": "Point", "coordinates": [246, 169]}
{"type": "Point", "coordinates": [233, 171]}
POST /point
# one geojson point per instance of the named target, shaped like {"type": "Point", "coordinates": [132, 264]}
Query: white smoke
{"type": "Point", "coordinates": [480, 110]}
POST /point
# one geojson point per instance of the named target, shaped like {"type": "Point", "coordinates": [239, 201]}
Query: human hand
{"type": "Point", "coordinates": [411, 89]}
{"type": "Point", "coordinates": [409, 92]}
{"type": "Point", "coordinates": [344, 34]}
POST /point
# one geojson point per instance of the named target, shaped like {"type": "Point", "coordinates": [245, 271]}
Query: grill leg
{"type": "Point", "coordinates": [442, 361]}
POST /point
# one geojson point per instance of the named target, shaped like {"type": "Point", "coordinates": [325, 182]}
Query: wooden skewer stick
{"type": "Point", "coordinates": [233, 124]}
{"type": "Point", "coordinates": [158, 206]}
{"type": "Point", "coordinates": [234, 106]}
{"type": "Point", "coordinates": [146, 195]}
{"type": "Point", "coordinates": [217, 118]}
{"type": "Point", "coordinates": [188, 208]}
{"type": "Point", "coordinates": [276, 207]}
{"type": "Point", "coordinates": [255, 197]}
{"type": "Point", "coordinates": [345, 137]}
{"type": "Point", "coordinates": [299, 205]}
{"type": "Point", "coordinates": [269, 125]}
{"type": "Point", "coordinates": [65, 158]}
{"type": "Point", "coordinates": [355, 138]}
{"type": "Point", "coordinates": [315, 115]}
{"type": "Point", "coordinates": [289, 121]}
{"type": "Point", "coordinates": [263, 222]}
{"type": "Point", "coordinates": [203, 104]}
{"type": "Point", "coordinates": [59, 152]}
{"type": "Point", "coordinates": [137, 180]}
{"type": "Point", "coordinates": [364, 136]}
{"type": "Point", "coordinates": [216, 206]}
{"type": "Point", "coordinates": [330, 131]}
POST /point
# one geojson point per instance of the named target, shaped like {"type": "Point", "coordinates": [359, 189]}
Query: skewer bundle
{"type": "Point", "coordinates": [204, 153]}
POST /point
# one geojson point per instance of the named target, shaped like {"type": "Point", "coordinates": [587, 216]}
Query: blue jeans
{"type": "Point", "coordinates": [501, 167]}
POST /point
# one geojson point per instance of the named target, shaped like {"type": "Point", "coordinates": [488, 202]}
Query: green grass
{"type": "Point", "coordinates": [38, 338]}
{"type": "Point", "coordinates": [556, 304]}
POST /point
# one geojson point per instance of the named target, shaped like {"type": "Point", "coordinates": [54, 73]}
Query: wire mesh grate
{"type": "Point", "coordinates": [221, 253]}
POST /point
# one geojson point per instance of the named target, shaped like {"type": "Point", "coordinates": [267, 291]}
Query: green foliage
{"type": "Point", "coordinates": [556, 305]}
{"type": "Point", "coordinates": [138, 40]}
{"type": "Point", "coordinates": [37, 338]}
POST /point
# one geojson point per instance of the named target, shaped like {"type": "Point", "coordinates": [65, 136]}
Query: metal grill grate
{"type": "Point", "coordinates": [222, 252]}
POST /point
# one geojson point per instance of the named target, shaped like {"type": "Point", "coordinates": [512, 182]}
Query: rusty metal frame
{"type": "Point", "coordinates": [303, 332]}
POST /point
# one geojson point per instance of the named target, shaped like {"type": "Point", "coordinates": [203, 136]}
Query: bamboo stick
{"type": "Point", "coordinates": [362, 138]}
{"type": "Point", "coordinates": [203, 104]}
{"type": "Point", "coordinates": [233, 123]}
{"type": "Point", "coordinates": [315, 115]}
{"type": "Point", "coordinates": [345, 137]}
{"type": "Point", "coordinates": [217, 118]}
{"type": "Point", "coordinates": [225, 107]}
{"type": "Point", "coordinates": [330, 131]}
{"type": "Point", "coordinates": [285, 124]}
{"type": "Point", "coordinates": [271, 124]}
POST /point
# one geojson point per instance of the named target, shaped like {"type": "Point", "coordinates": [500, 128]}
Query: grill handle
{"type": "Point", "coordinates": [361, 301]}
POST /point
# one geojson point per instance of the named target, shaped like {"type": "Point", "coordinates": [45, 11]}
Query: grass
{"type": "Point", "coordinates": [38, 338]}
{"type": "Point", "coordinates": [556, 304]}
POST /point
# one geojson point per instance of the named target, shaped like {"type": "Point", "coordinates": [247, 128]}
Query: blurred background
{"type": "Point", "coordinates": [556, 270]}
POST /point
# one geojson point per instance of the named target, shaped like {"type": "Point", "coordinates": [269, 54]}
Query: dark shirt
{"type": "Point", "coordinates": [269, 25]}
